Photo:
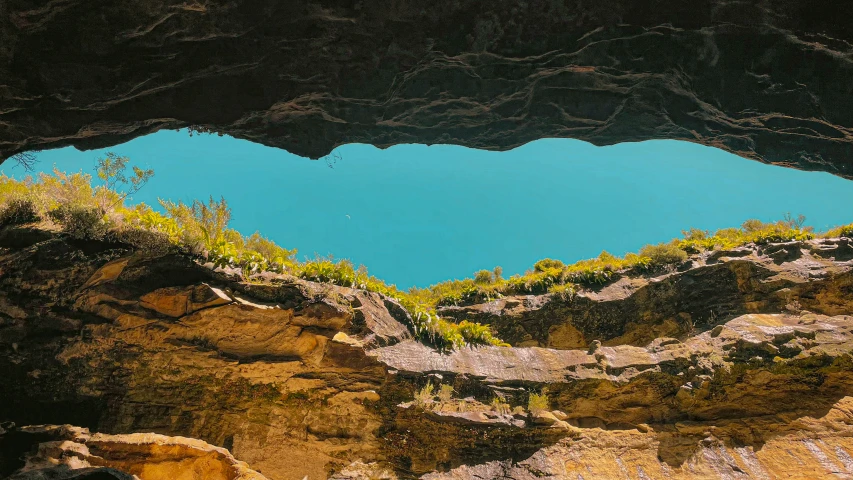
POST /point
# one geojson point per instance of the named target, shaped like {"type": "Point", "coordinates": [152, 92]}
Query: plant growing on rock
{"type": "Point", "coordinates": [60, 188]}
{"type": "Point", "coordinates": [111, 170]}
{"type": "Point", "coordinates": [81, 222]}
{"type": "Point", "coordinates": [500, 406]}
{"type": "Point", "coordinates": [17, 211]}
{"type": "Point", "coordinates": [424, 396]}
{"type": "Point", "coordinates": [483, 277]}
{"type": "Point", "coordinates": [327, 270]}
{"type": "Point", "coordinates": [565, 292]}
{"type": "Point", "coordinates": [201, 228]}
{"type": "Point", "coordinates": [786, 230]}
{"type": "Point", "coordinates": [445, 393]}
{"type": "Point", "coordinates": [279, 259]}
{"type": "Point", "coordinates": [842, 231]}
{"type": "Point", "coordinates": [222, 253]}
{"type": "Point", "coordinates": [202, 225]}
{"type": "Point", "coordinates": [537, 403]}
{"type": "Point", "coordinates": [144, 217]}
{"type": "Point", "coordinates": [663, 254]}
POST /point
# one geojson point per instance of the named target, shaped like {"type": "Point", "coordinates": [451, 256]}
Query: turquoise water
{"type": "Point", "coordinates": [416, 215]}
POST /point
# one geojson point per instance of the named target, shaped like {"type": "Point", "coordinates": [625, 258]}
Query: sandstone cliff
{"type": "Point", "coordinates": [736, 365]}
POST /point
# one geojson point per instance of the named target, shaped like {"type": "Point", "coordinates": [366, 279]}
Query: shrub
{"type": "Point", "coordinates": [637, 262]}
{"type": "Point", "coordinates": [752, 225]}
{"type": "Point", "coordinates": [500, 406]}
{"type": "Point", "coordinates": [537, 402]}
{"type": "Point", "coordinates": [326, 270]}
{"type": "Point", "coordinates": [459, 292]}
{"type": "Point", "coordinates": [483, 277]}
{"type": "Point", "coordinates": [429, 328]}
{"type": "Point", "coordinates": [143, 217]}
{"type": "Point", "coordinates": [663, 254]}
{"type": "Point", "coordinates": [253, 262]}
{"type": "Point", "coordinates": [777, 233]}
{"type": "Point", "coordinates": [202, 225]}
{"type": "Point", "coordinates": [547, 264]}
{"type": "Point", "coordinates": [80, 222]}
{"type": "Point", "coordinates": [696, 241]}
{"type": "Point", "coordinates": [11, 189]}
{"type": "Point", "coordinates": [695, 234]}
{"type": "Point", "coordinates": [787, 230]}
{"type": "Point", "coordinates": [842, 231]}
{"type": "Point", "coordinates": [111, 170]}
{"type": "Point", "coordinates": [424, 396]}
{"type": "Point", "coordinates": [279, 259]}
{"type": "Point", "coordinates": [73, 189]}
{"type": "Point", "coordinates": [222, 253]}
{"type": "Point", "coordinates": [533, 283]}
{"type": "Point", "coordinates": [18, 211]}
{"type": "Point", "coordinates": [590, 274]}
{"type": "Point", "coordinates": [477, 334]}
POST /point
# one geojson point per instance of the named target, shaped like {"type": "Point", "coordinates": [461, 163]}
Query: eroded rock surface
{"type": "Point", "coordinates": [804, 448]}
{"type": "Point", "coordinates": [709, 289]}
{"type": "Point", "coordinates": [302, 379]}
{"type": "Point", "coordinates": [67, 452]}
{"type": "Point", "coordinates": [766, 80]}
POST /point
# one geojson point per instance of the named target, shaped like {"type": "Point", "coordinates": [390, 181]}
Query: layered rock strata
{"type": "Point", "coordinates": [66, 453]}
{"type": "Point", "coordinates": [704, 291]}
{"type": "Point", "coordinates": [765, 80]}
{"type": "Point", "coordinates": [302, 379]}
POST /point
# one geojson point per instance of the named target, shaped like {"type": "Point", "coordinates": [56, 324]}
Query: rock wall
{"type": "Point", "coordinates": [707, 290]}
{"type": "Point", "coordinates": [765, 80]}
{"type": "Point", "coordinates": [302, 379]}
{"type": "Point", "coordinates": [66, 452]}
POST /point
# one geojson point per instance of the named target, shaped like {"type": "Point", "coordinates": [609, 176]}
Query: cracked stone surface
{"type": "Point", "coordinates": [296, 378]}
{"type": "Point", "coordinates": [767, 80]}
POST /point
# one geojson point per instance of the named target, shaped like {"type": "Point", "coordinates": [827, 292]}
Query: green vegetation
{"type": "Point", "coordinates": [71, 203]}
{"type": "Point", "coordinates": [500, 406]}
{"type": "Point", "coordinates": [843, 231]}
{"type": "Point", "coordinates": [18, 211]}
{"type": "Point", "coordinates": [82, 210]}
{"type": "Point", "coordinates": [424, 396]}
{"type": "Point", "coordinates": [553, 276]}
{"type": "Point", "coordinates": [445, 393]}
{"type": "Point", "coordinates": [537, 402]}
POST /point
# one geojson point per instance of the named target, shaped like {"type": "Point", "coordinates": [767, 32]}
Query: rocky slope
{"type": "Point", "coordinates": [766, 80]}
{"type": "Point", "coordinates": [296, 378]}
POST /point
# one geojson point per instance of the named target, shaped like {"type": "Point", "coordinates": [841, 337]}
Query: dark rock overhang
{"type": "Point", "coordinates": [771, 80]}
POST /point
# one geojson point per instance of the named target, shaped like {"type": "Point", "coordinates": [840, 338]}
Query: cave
{"type": "Point", "coordinates": [769, 81]}
{"type": "Point", "coordinates": [153, 344]}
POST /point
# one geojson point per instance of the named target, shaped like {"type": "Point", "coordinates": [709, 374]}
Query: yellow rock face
{"type": "Point", "coordinates": [147, 456]}
{"type": "Point", "coordinates": [301, 379]}
{"type": "Point", "coordinates": [805, 448]}
{"type": "Point", "coordinates": [179, 301]}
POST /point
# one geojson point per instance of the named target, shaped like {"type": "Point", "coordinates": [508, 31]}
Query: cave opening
{"type": "Point", "coordinates": [416, 215]}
